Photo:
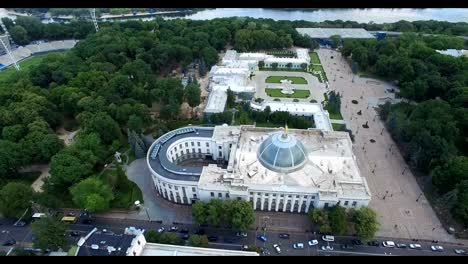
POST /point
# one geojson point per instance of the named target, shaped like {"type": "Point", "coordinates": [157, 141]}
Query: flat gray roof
{"type": "Point", "coordinates": [166, 168]}
{"type": "Point", "coordinates": [323, 33]}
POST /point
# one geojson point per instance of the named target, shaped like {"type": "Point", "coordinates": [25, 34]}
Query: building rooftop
{"type": "Point", "coordinates": [153, 249]}
{"type": "Point", "coordinates": [324, 33]}
{"type": "Point", "coordinates": [105, 244]}
{"type": "Point", "coordinates": [330, 168]}
{"type": "Point", "coordinates": [216, 101]}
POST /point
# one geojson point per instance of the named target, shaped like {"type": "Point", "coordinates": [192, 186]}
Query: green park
{"type": "Point", "coordinates": [297, 93]}
{"type": "Point", "coordinates": [277, 79]}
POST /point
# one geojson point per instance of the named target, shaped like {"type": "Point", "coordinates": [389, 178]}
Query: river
{"type": "Point", "coordinates": [376, 15]}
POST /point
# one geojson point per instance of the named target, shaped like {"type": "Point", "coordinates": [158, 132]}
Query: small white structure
{"type": "Point", "coordinates": [453, 52]}
{"type": "Point", "coordinates": [286, 86]}
{"type": "Point", "coordinates": [117, 157]}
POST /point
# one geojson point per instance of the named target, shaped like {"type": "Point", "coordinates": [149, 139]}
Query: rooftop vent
{"type": "Point", "coordinates": [94, 246]}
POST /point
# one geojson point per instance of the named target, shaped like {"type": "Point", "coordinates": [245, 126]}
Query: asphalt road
{"type": "Point", "coordinates": [23, 234]}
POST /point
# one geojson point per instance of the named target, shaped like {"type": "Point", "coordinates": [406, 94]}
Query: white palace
{"type": "Point", "coordinates": [274, 169]}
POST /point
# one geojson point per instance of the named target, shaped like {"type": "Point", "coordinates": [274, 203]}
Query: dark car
{"type": "Point", "coordinates": [184, 231]}
{"type": "Point", "coordinates": [75, 233]}
{"type": "Point", "coordinates": [87, 221]}
{"type": "Point", "coordinates": [373, 243]}
{"type": "Point", "coordinates": [185, 236]}
{"type": "Point", "coordinates": [346, 246]}
{"type": "Point", "coordinates": [228, 240]}
{"type": "Point", "coordinates": [356, 242]}
{"type": "Point", "coordinates": [199, 231]}
{"type": "Point", "coordinates": [212, 238]}
{"type": "Point", "coordinates": [284, 235]}
{"type": "Point", "coordinates": [10, 242]}
{"type": "Point", "coordinates": [401, 245]}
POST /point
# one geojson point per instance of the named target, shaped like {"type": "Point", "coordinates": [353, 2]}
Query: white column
{"type": "Point", "coordinates": [270, 201]}
{"type": "Point", "coordinates": [277, 204]}
{"type": "Point", "coordinates": [293, 200]}
{"type": "Point", "coordinates": [262, 201]}
{"type": "Point", "coordinates": [181, 194]}
{"type": "Point", "coordinates": [285, 202]}
{"type": "Point", "coordinates": [255, 201]}
{"type": "Point", "coordinates": [309, 198]}
{"type": "Point", "coordinates": [301, 200]}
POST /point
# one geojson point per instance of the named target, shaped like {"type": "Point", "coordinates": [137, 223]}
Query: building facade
{"type": "Point", "coordinates": [275, 170]}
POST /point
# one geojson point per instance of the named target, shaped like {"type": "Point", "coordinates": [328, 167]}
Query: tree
{"type": "Point", "coordinates": [261, 64]}
{"type": "Point", "coordinates": [231, 99]}
{"type": "Point", "coordinates": [171, 239]}
{"type": "Point", "coordinates": [153, 237]}
{"type": "Point", "coordinates": [199, 212]}
{"type": "Point", "coordinates": [274, 65]}
{"type": "Point", "coordinates": [304, 66]}
{"type": "Point", "coordinates": [49, 233]}
{"type": "Point", "coordinates": [320, 217]}
{"type": "Point", "coordinates": [198, 241]}
{"type": "Point", "coordinates": [337, 219]}
{"type": "Point", "coordinates": [19, 35]}
{"type": "Point", "coordinates": [92, 194]}
{"type": "Point", "coordinates": [102, 124]}
{"type": "Point", "coordinates": [460, 208]}
{"type": "Point", "coordinates": [239, 214]}
{"type": "Point", "coordinates": [214, 212]}
{"type": "Point", "coordinates": [68, 168]}
{"type": "Point", "coordinates": [335, 41]}
{"type": "Point", "coordinates": [365, 223]}
{"type": "Point", "coordinates": [135, 123]}
{"type": "Point", "coordinates": [289, 65]}
{"type": "Point", "coordinates": [210, 56]}
{"type": "Point", "coordinates": [15, 198]}
{"type": "Point", "coordinates": [446, 176]}
{"type": "Point", "coordinates": [192, 94]}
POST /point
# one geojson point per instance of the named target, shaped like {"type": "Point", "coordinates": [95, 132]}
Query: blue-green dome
{"type": "Point", "coordinates": [282, 152]}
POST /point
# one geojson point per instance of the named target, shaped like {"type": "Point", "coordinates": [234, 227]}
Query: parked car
{"type": "Point", "coordinates": [200, 231]}
{"type": "Point", "coordinates": [241, 234]}
{"type": "Point", "coordinates": [313, 242]}
{"type": "Point", "coordinates": [415, 246]}
{"type": "Point", "coordinates": [346, 246]}
{"type": "Point", "coordinates": [389, 244]}
{"type": "Point", "coordinates": [173, 229]}
{"type": "Point", "coordinates": [437, 248]}
{"type": "Point", "coordinates": [20, 223]}
{"type": "Point", "coordinates": [245, 247]}
{"type": "Point", "coordinates": [75, 233]}
{"type": "Point", "coordinates": [161, 230]}
{"type": "Point", "coordinates": [401, 245]}
{"type": "Point", "coordinates": [328, 238]}
{"type": "Point", "coordinates": [373, 243]}
{"type": "Point", "coordinates": [277, 248]}
{"type": "Point", "coordinates": [459, 251]}
{"type": "Point", "coordinates": [10, 242]}
{"type": "Point", "coordinates": [262, 238]}
{"type": "Point", "coordinates": [212, 238]}
{"type": "Point", "coordinates": [298, 245]}
{"type": "Point", "coordinates": [327, 248]}
{"type": "Point", "coordinates": [284, 235]}
{"type": "Point", "coordinates": [228, 240]}
{"type": "Point", "coordinates": [185, 236]}
{"type": "Point", "coordinates": [357, 242]}
{"type": "Point", "coordinates": [184, 231]}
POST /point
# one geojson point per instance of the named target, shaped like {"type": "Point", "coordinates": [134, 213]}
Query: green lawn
{"type": "Point", "coordinates": [277, 79]}
{"type": "Point", "coordinates": [25, 65]}
{"type": "Point", "coordinates": [72, 251]}
{"type": "Point", "coordinates": [338, 127]}
{"type": "Point", "coordinates": [126, 192]}
{"type": "Point", "coordinates": [334, 115]}
{"type": "Point", "coordinates": [314, 58]}
{"type": "Point", "coordinates": [320, 68]}
{"type": "Point", "coordinates": [297, 93]}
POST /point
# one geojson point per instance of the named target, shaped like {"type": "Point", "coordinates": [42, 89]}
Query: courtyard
{"type": "Point", "coordinates": [397, 198]}
{"type": "Point", "coordinates": [311, 90]}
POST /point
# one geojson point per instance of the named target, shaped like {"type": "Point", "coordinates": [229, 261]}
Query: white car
{"type": "Point", "coordinates": [278, 249]}
{"type": "Point", "coordinates": [327, 248]}
{"type": "Point", "coordinates": [313, 242]}
{"type": "Point", "coordinates": [437, 248]}
{"type": "Point", "coordinates": [160, 230]}
{"type": "Point", "coordinates": [415, 246]}
{"type": "Point", "coordinates": [389, 244]}
{"type": "Point", "coordinates": [328, 238]}
{"type": "Point", "coordinates": [298, 245]}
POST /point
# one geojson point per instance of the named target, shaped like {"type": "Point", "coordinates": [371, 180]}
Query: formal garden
{"type": "Point", "coordinates": [314, 58]}
{"type": "Point", "coordinates": [294, 79]}
{"type": "Point", "coordinates": [297, 93]}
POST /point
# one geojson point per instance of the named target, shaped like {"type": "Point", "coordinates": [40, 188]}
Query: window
{"type": "Point", "coordinates": [297, 196]}
{"type": "Point", "coordinates": [259, 194]}
{"type": "Point", "coordinates": [176, 188]}
{"type": "Point", "coordinates": [180, 145]}
{"type": "Point", "coordinates": [175, 148]}
{"type": "Point", "coordinates": [313, 197]}
{"type": "Point", "coordinates": [164, 184]}
{"type": "Point", "coordinates": [198, 143]}
{"type": "Point", "coordinates": [170, 186]}
{"type": "Point", "coordinates": [199, 150]}
{"type": "Point", "coordinates": [282, 195]}
{"type": "Point", "coordinates": [207, 144]}
{"type": "Point", "coordinates": [186, 144]}
{"type": "Point", "coordinates": [251, 193]}
{"type": "Point", "coordinates": [177, 155]}
{"type": "Point", "coordinates": [227, 195]}
{"type": "Point", "coordinates": [346, 203]}
{"type": "Point", "coordinates": [238, 198]}
{"type": "Point", "coordinates": [220, 147]}
{"type": "Point", "coordinates": [305, 197]}
{"type": "Point", "coordinates": [289, 196]}
{"type": "Point", "coordinates": [266, 194]}
{"type": "Point", "coordinates": [220, 154]}
{"type": "Point", "coordinates": [212, 194]}
{"type": "Point", "coordinates": [354, 203]}
{"type": "Point", "coordinates": [220, 195]}
{"type": "Point", "coordinates": [274, 195]}
{"type": "Point", "coordinates": [194, 196]}
{"type": "Point", "coordinates": [193, 189]}
{"type": "Point", "coordinates": [325, 205]}
{"type": "Point", "coordinates": [192, 143]}
{"type": "Point", "coordinates": [193, 150]}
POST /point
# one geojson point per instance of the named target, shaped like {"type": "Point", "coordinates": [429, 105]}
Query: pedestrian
{"type": "Point", "coordinates": [433, 229]}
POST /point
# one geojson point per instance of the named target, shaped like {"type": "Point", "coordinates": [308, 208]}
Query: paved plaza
{"type": "Point", "coordinates": [313, 85]}
{"type": "Point", "coordinates": [401, 206]}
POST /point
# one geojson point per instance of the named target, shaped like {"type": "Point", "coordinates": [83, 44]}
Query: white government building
{"type": "Point", "coordinates": [274, 169]}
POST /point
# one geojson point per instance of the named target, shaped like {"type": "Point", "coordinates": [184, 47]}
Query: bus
{"type": "Point", "coordinates": [69, 219]}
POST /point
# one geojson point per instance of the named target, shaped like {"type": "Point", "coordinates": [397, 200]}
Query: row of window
{"type": "Point", "coordinates": [220, 195]}
{"type": "Point", "coordinates": [282, 195]}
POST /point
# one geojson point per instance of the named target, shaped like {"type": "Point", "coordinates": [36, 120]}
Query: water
{"type": "Point", "coordinates": [376, 15]}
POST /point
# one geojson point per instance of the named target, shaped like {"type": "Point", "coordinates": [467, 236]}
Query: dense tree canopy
{"type": "Point", "coordinates": [49, 233]}
{"type": "Point", "coordinates": [15, 198]}
{"type": "Point", "coordinates": [92, 194]}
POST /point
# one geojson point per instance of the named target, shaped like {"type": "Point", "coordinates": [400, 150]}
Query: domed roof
{"type": "Point", "coordinates": [282, 152]}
